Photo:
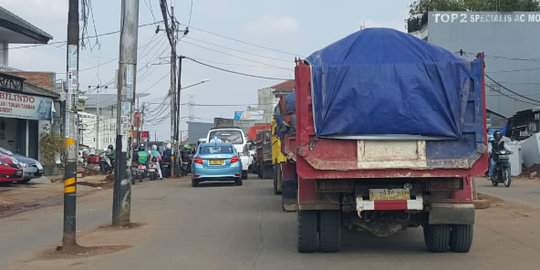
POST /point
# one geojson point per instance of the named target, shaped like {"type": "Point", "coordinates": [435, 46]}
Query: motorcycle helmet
{"type": "Point", "coordinates": [168, 146]}
{"type": "Point", "coordinates": [497, 135]}
{"type": "Point", "coordinates": [186, 146]}
{"type": "Point", "coordinates": [154, 147]}
{"type": "Point", "coordinates": [110, 146]}
{"type": "Point", "coordinates": [141, 147]}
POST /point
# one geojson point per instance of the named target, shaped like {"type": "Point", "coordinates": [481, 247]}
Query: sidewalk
{"type": "Point", "coordinates": [41, 192]}
{"type": "Point", "coordinates": [522, 190]}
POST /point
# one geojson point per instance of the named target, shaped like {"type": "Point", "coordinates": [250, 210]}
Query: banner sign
{"type": "Point", "coordinates": [484, 17]}
{"type": "Point", "coordinates": [249, 115]}
{"type": "Point", "coordinates": [23, 106]}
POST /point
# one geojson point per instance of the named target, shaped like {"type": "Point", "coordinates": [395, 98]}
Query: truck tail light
{"type": "Point", "coordinates": [234, 159]}
{"type": "Point", "coordinates": [198, 160]}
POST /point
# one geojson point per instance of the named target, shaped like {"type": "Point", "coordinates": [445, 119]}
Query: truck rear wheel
{"type": "Point", "coordinates": [308, 238]}
{"type": "Point", "coordinates": [437, 237]}
{"type": "Point", "coordinates": [277, 175]}
{"type": "Point", "coordinates": [461, 238]}
{"type": "Point", "coordinates": [330, 231]}
{"type": "Point", "coordinates": [266, 171]}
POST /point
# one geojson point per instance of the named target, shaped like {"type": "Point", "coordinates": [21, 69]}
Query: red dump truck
{"type": "Point", "coordinates": [384, 132]}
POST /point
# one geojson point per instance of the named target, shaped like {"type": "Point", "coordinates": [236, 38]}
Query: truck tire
{"type": "Point", "coordinates": [276, 178]}
{"type": "Point", "coordinates": [461, 238]}
{"type": "Point", "coordinates": [437, 237]}
{"type": "Point", "coordinates": [266, 171]}
{"type": "Point", "coordinates": [308, 238]}
{"type": "Point", "coordinates": [330, 231]}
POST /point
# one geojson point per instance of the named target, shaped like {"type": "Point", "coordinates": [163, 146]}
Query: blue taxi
{"type": "Point", "coordinates": [216, 161]}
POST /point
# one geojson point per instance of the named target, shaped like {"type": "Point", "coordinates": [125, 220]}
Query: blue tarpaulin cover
{"type": "Point", "coordinates": [382, 81]}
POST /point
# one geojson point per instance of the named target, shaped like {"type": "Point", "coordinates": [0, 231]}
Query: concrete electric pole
{"type": "Point", "coordinates": [70, 127]}
{"type": "Point", "coordinates": [127, 66]}
{"type": "Point", "coordinates": [171, 35]}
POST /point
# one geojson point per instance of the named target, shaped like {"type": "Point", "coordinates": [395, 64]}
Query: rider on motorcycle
{"type": "Point", "coordinates": [167, 154]}
{"type": "Point", "coordinates": [142, 156]}
{"type": "Point", "coordinates": [110, 155]}
{"type": "Point", "coordinates": [495, 147]}
{"type": "Point", "coordinates": [155, 156]}
{"type": "Point", "coordinates": [185, 159]}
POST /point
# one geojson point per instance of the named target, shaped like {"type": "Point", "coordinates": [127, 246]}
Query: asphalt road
{"type": "Point", "coordinates": [242, 227]}
{"type": "Point", "coordinates": [523, 191]}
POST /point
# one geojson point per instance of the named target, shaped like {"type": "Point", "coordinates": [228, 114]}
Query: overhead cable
{"type": "Point", "coordinates": [236, 72]}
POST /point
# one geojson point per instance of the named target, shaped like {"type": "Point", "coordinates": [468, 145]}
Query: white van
{"type": "Point", "coordinates": [236, 137]}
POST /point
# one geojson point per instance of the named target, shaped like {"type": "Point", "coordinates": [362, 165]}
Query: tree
{"type": "Point", "coordinates": [422, 6]}
{"type": "Point", "coordinates": [51, 145]}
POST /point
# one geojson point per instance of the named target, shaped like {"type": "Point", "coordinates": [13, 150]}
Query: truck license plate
{"type": "Point", "coordinates": [216, 162]}
{"type": "Point", "coordinates": [389, 194]}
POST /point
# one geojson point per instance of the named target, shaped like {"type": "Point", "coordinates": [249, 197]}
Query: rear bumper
{"type": "Point", "coordinates": [216, 174]}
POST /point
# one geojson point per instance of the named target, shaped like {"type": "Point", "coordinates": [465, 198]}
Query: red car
{"type": "Point", "coordinates": [10, 169]}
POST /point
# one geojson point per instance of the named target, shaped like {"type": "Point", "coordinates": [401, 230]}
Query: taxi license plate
{"type": "Point", "coordinates": [389, 194]}
{"type": "Point", "coordinates": [216, 162]}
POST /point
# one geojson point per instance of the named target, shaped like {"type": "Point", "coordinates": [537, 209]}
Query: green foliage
{"type": "Point", "coordinates": [50, 144]}
{"type": "Point", "coordinates": [422, 6]}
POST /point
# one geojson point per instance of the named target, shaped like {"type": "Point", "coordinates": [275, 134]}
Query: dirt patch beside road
{"type": "Point", "coordinates": [16, 198]}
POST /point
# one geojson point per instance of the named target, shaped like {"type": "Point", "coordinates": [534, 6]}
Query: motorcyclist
{"type": "Point", "coordinates": [142, 156]}
{"type": "Point", "coordinates": [167, 157]}
{"type": "Point", "coordinates": [110, 155]}
{"type": "Point", "coordinates": [167, 154]}
{"type": "Point", "coordinates": [155, 156]}
{"type": "Point", "coordinates": [494, 147]}
{"type": "Point", "coordinates": [185, 155]}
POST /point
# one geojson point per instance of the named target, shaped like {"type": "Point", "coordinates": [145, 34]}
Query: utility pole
{"type": "Point", "coordinates": [97, 124]}
{"type": "Point", "coordinates": [177, 130]}
{"type": "Point", "coordinates": [70, 126]}
{"type": "Point", "coordinates": [171, 35]}
{"type": "Point", "coordinates": [127, 66]}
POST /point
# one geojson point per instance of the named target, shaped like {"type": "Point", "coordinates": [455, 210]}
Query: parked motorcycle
{"type": "Point", "coordinates": [502, 172]}
{"type": "Point", "coordinates": [166, 169]}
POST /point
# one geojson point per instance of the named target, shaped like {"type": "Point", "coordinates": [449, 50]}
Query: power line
{"type": "Point", "coordinates": [240, 51]}
{"type": "Point", "coordinates": [152, 86]}
{"type": "Point", "coordinates": [236, 56]}
{"type": "Point", "coordinates": [149, 6]}
{"type": "Point", "coordinates": [508, 96]}
{"type": "Point", "coordinates": [190, 13]}
{"type": "Point", "coordinates": [509, 90]}
{"type": "Point", "coordinates": [506, 57]}
{"type": "Point", "coordinates": [514, 70]}
{"type": "Point", "coordinates": [64, 42]}
{"type": "Point", "coordinates": [244, 42]}
{"type": "Point", "coordinates": [236, 72]}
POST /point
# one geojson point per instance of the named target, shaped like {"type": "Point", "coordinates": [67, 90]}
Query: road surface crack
{"type": "Point", "coordinates": [261, 241]}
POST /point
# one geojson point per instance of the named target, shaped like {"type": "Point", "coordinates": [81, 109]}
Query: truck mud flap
{"type": "Point", "coordinates": [448, 213]}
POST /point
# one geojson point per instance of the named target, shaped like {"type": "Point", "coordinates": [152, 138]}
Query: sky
{"type": "Point", "coordinates": [259, 38]}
